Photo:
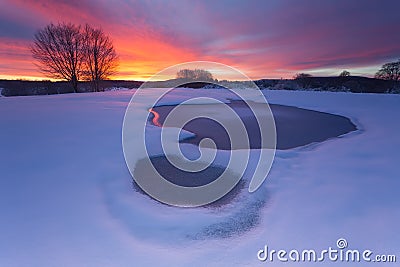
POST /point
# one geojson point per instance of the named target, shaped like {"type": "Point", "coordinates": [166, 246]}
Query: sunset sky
{"type": "Point", "coordinates": [264, 39]}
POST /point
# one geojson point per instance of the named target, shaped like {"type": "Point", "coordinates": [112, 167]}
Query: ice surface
{"type": "Point", "coordinates": [67, 199]}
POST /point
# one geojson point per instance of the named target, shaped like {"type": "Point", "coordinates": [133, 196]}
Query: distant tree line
{"type": "Point", "coordinates": [299, 76]}
{"type": "Point", "coordinates": [27, 87]}
{"type": "Point", "coordinates": [389, 71]}
{"type": "Point", "coordinates": [74, 52]}
{"type": "Point", "coordinates": [304, 79]}
{"type": "Point", "coordinates": [195, 75]}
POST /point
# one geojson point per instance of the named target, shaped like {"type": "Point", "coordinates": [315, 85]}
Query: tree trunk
{"type": "Point", "coordinates": [96, 85]}
{"type": "Point", "coordinates": [74, 82]}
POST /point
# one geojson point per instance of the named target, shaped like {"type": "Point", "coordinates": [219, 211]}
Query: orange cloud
{"type": "Point", "coordinates": [142, 50]}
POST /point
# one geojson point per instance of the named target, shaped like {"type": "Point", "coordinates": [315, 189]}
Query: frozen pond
{"type": "Point", "coordinates": [295, 126]}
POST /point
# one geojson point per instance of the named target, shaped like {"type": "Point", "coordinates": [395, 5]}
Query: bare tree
{"type": "Point", "coordinates": [101, 60]}
{"type": "Point", "coordinates": [389, 71]}
{"type": "Point", "coordinates": [195, 75]}
{"type": "Point", "coordinates": [70, 52]}
{"type": "Point", "coordinates": [58, 50]}
{"type": "Point", "coordinates": [344, 73]}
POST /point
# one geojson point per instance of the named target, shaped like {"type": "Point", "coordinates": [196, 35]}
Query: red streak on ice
{"type": "Point", "coordinates": [155, 118]}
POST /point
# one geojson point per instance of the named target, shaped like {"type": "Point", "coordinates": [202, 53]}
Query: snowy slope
{"type": "Point", "coordinates": [66, 196]}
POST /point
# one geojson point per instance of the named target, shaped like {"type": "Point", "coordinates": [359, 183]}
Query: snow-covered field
{"type": "Point", "coordinates": [66, 195]}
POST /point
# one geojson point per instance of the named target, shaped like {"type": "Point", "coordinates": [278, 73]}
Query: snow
{"type": "Point", "coordinates": [117, 89]}
{"type": "Point", "coordinates": [67, 199]}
